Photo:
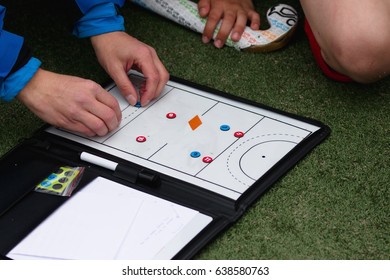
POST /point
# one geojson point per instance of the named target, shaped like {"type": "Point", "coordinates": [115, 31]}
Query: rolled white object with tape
{"type": "Point", "coordinates": [282, 19]}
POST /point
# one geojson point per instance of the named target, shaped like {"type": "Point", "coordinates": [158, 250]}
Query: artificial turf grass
{"type": "Point", "coordinates": [333, 205]}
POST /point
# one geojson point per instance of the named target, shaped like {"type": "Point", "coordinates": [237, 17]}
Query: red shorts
{"type": "Point", "coordinates": [315, 48]}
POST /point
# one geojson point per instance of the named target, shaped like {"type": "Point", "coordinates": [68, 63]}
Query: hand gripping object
{"type": "Point", "coordinates": [282, 19]}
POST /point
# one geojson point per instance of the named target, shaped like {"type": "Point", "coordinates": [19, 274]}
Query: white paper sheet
{"type": "Point", "coordinates": [107, 220]}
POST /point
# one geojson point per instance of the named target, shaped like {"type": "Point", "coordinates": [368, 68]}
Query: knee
{"type": "Point", "coordinates": [362, 56]}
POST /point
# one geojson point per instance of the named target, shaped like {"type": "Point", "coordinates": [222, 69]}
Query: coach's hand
{"type": "Point", "coordinates": [118, 52]}
{"type": "Point", "coordinates": [71, 103]}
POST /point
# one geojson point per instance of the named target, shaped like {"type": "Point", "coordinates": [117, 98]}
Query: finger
{"type": "Point", "coordinates": [72, 122]}
{"type": "Point", "coordinates": [204, 8]}
{"type": "Point", "coordinates": [254, 18]}
{"type": "Point", "coordinates": [152, 78]}
{"type": "Point", "coordinates": [163, 73]}
{"type": "Point", "coordinates": [101, 120]}
{"type": "Point", "coordinates": [63, 119]}
{"type": "Point", "coordinates": [211, 23]}
{"type": "Point", "coordinates": [148, 90]}
{"type": "Point", "coordinates": [124, 84]}
{"type": "Point", "coordinates": [110, 101]}
{"type": "Point", "coordinates": [99, 117]}
{"type": "Point", "coordinates": [94, 123]}
{"type": "Point", "coordinates": [79, 127]}
{"type": "Point", "coordinates": [239, 26]}
{"type": "Point", "coordinates": [228, 22]}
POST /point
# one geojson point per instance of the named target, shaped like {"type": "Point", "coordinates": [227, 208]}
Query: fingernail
{"type": "Point", "coordinates": [131, 99]}
{"type": "Point", "coordinates": [235, 36]}
{"type": "Point", "coordinates": [145, 103]}
{"type": "Point", "coordinates": [218, 44]}
{"type": "Point", "coordinates": [205, 39]}
{"type": "Point", "coordinates": [202, 11]}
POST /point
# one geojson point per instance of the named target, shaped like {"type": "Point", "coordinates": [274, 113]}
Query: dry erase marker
{"type": "Point", "coordinates": [102, 162]}
{"type": "Point", "coordinates": [120, 170]}
{"type": "Point", "coordinates": [123, 171]}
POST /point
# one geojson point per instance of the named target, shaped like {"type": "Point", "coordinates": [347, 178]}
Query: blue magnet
{"type": "Point", "coordinates": [224, 127]}
{"type": "Point", "coordinates": [195, 154]}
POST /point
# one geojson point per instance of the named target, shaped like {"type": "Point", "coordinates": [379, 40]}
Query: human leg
{"type": "Point", "coordinates": [353, 36]}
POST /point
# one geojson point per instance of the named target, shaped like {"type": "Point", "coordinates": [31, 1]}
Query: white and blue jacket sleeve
{"type": "Point", "coordinates": [18, 66]}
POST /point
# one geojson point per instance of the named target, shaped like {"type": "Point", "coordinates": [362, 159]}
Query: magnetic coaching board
{"type": "Point", "coordinates": [213, 154]}
{"type": "Point", "coordinates": [209, 140]}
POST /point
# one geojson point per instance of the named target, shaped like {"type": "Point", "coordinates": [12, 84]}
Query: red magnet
{"type": "Point", "coordinates": [141, 139]}
{"type": "Point", "coordinates": [238, 134]}
{"type": "Point", "coordinates": [207, 159]}
{"type": "Point", "coordinates": [171, 115]}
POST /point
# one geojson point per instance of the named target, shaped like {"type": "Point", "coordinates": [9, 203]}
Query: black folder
{"type": "Point", "coordinates": [193, 149]}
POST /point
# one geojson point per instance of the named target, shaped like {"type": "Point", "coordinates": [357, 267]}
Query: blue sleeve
{"type": "Point", "coordinates": [86, 5]}
{"type": "Point", "coordinates": [99, 16]}
{"type": "Point", "coordinates": [10, 46]}
{"type": "Point", "coordinates": [16, 67]}
{"type": "Point", "coordinates": [15, 82]}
